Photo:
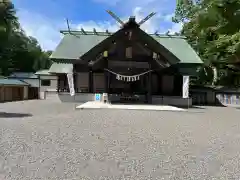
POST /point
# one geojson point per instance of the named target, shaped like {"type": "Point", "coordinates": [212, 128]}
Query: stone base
{"type": "Point", "coordinates": [100, 105]}
{"type": "Point", "coordinates": [86, 97]}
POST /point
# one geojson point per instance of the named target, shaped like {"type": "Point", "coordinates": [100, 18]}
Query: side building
{"type": "Point", "coordinates": [47, 84]}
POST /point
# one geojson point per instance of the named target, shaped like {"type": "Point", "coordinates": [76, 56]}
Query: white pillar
{"type": "Point", "coordinates": [25, 92]}
{"type": "Point", "coordinates": [185, 87]}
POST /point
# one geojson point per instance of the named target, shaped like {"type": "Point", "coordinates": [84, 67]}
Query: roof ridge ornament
{"type": "Point", "coordinates": [107, 31]}
{"type": "Point", "coordinates": [131, 21]}
{"type": "Point", "coordinates": [168, 34]}
{"type": "Point", "coordinates": [147, 18]}
{"type": "Point", "coordinates": [95, 31]}
{"type": "Point", "coordinates": [83, 31]}
{"type": "Point", "coordinates": [69, 30]}
{"type": "Point", "coordinates": [114, 16]}
{"type": "Point", "coordinates": [131, 18]}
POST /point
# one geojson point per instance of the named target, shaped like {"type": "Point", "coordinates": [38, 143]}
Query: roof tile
{"type": "Point", "coordinates": [6, 81]}
{"type": "Point", "coordinates": [73, 46]}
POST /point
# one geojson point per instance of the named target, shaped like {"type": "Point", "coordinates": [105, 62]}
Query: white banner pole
{"type": "Point", "coordinates": [185, 87]}
{"type": "Point", "coordinates": [71, 83]}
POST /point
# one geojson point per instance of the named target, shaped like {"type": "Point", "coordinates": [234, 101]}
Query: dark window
{"type": "Point", "coordinates": [45, 82]}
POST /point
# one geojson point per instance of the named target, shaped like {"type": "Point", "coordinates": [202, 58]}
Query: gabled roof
{"type": "Point", "coordinates": [74, 46]}
{"type": "Point", "coordinates": [78, 43]}
{"type": "Point", "coordinates": [179, 47]}
{"type": "Point", "coordinates": [16, 82]}
{"type": "Point", "coordinates": [24, 75]}
{"type": "Point", "coordinates": [43, 72]}
{"type": "Point", "coordinates": [61, 68]}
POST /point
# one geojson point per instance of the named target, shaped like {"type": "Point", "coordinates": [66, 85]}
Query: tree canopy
{"type": "Point", "coordinates": [18, 52]}
{"type": "Point", "coordinates": [212, 27]}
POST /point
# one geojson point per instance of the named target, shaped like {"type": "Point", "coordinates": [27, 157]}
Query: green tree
{"type": "Point", "coordinates": [8, 19]}
{"type": "Point", "coordinates": [43, 61]}
{"type": "Point", "coordinates": [212, 27]}
{"type": "Point", "coordinates": [18, 52]}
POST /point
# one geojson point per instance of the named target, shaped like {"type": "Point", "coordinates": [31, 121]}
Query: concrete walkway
{"type": "Point", "coordinates": [100, 105]}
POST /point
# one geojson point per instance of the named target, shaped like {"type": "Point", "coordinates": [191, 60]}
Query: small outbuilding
{"type": "Point", "coordinates": [13, 90]}
{"type": "Point", "coordinates": [31, 79]}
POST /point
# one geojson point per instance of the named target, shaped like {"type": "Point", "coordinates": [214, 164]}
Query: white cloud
{"type": "Point", "coordinates": [168, 17]}
{"type": "Point", "coordinates": [46, 30]}
{"type": "Point", "coordinates": [175, 28]}
{"type": "Point", "coordinates": [43, 29]}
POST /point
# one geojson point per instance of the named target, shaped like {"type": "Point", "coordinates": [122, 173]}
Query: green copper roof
{"type": "Point", "coordinates": [23, 75]}
{"type": "Point", "coordinates": [43, 72]}
{"type": "Point", "coordinates": [12, 82]}
{"type": "Point", "coordinates": [180, 48]}
{"type": "Point", "coordinates": [74, 45]}
{"type": "Point", "coordinates": [61, 68]}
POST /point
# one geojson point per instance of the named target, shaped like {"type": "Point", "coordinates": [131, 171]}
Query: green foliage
{"type": "Point", "coordinates": [212, 27]}
{"type": "Point", "coordinates": [18, 52]}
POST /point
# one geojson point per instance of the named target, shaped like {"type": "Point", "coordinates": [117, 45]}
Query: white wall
{"type": "Point", "coordinates": [53, 85]}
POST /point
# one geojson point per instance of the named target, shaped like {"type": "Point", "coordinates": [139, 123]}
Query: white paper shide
{"type": "Point", "coordinates": [71, 83]}
{"type": "Point", "coordinates": [185, 87]}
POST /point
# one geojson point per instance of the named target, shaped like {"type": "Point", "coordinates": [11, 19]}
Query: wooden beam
{"type": "Point", "coordinates": [99, 58]}
{"type": "Point", "coordinates": [90, 81]}
{"type": "Point", "coordinates": [149, 85]}
{"type": "Point", "coordinates": [131, 64]}
{"type": "Point", "coordinates": [144, 48]}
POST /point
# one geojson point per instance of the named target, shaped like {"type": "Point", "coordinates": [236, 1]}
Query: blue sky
{"type": "Point", "coordinates": [44, 18]}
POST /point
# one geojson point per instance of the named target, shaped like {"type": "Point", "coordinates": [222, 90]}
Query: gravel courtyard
{"type": "Point", "coordinates": [47, 140]}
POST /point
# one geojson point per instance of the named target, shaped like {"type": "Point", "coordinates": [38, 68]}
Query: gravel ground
{"type": "Point", "coordinates": [43, 140]}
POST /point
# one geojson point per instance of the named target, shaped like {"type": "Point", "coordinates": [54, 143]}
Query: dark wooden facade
{"type": "Point", "coordinates": [129, 51]}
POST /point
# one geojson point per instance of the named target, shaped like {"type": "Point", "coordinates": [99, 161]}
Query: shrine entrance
{"type": "Point", "coordinates": [129, 88]}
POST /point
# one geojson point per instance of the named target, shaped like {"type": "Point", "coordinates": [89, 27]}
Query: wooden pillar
{"type": "Point", "coordinates": [106, 73]}
{"type": "Point", "coordinates": [150, 85]}
{"type": "Point", "coordinates": [2, 94]}
{"type": "Point", "coordinates": [58, 83]}
{"type": "Point", "coordinates": [25, 92]}
{"type": "Point", "coordinates": [106, 79]}
{"type": "Point", "coordinates": [74, 78]}
{"type": "Point", "coordinates": [90, 81]}
{"type": "Point", "coordinates": [109, 82]}
{"type": "Point", "coordinates": [75, 81]}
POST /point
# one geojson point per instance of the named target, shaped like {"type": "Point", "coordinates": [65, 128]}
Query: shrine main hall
{"type": "Point", "coordinates": [128, 65]}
